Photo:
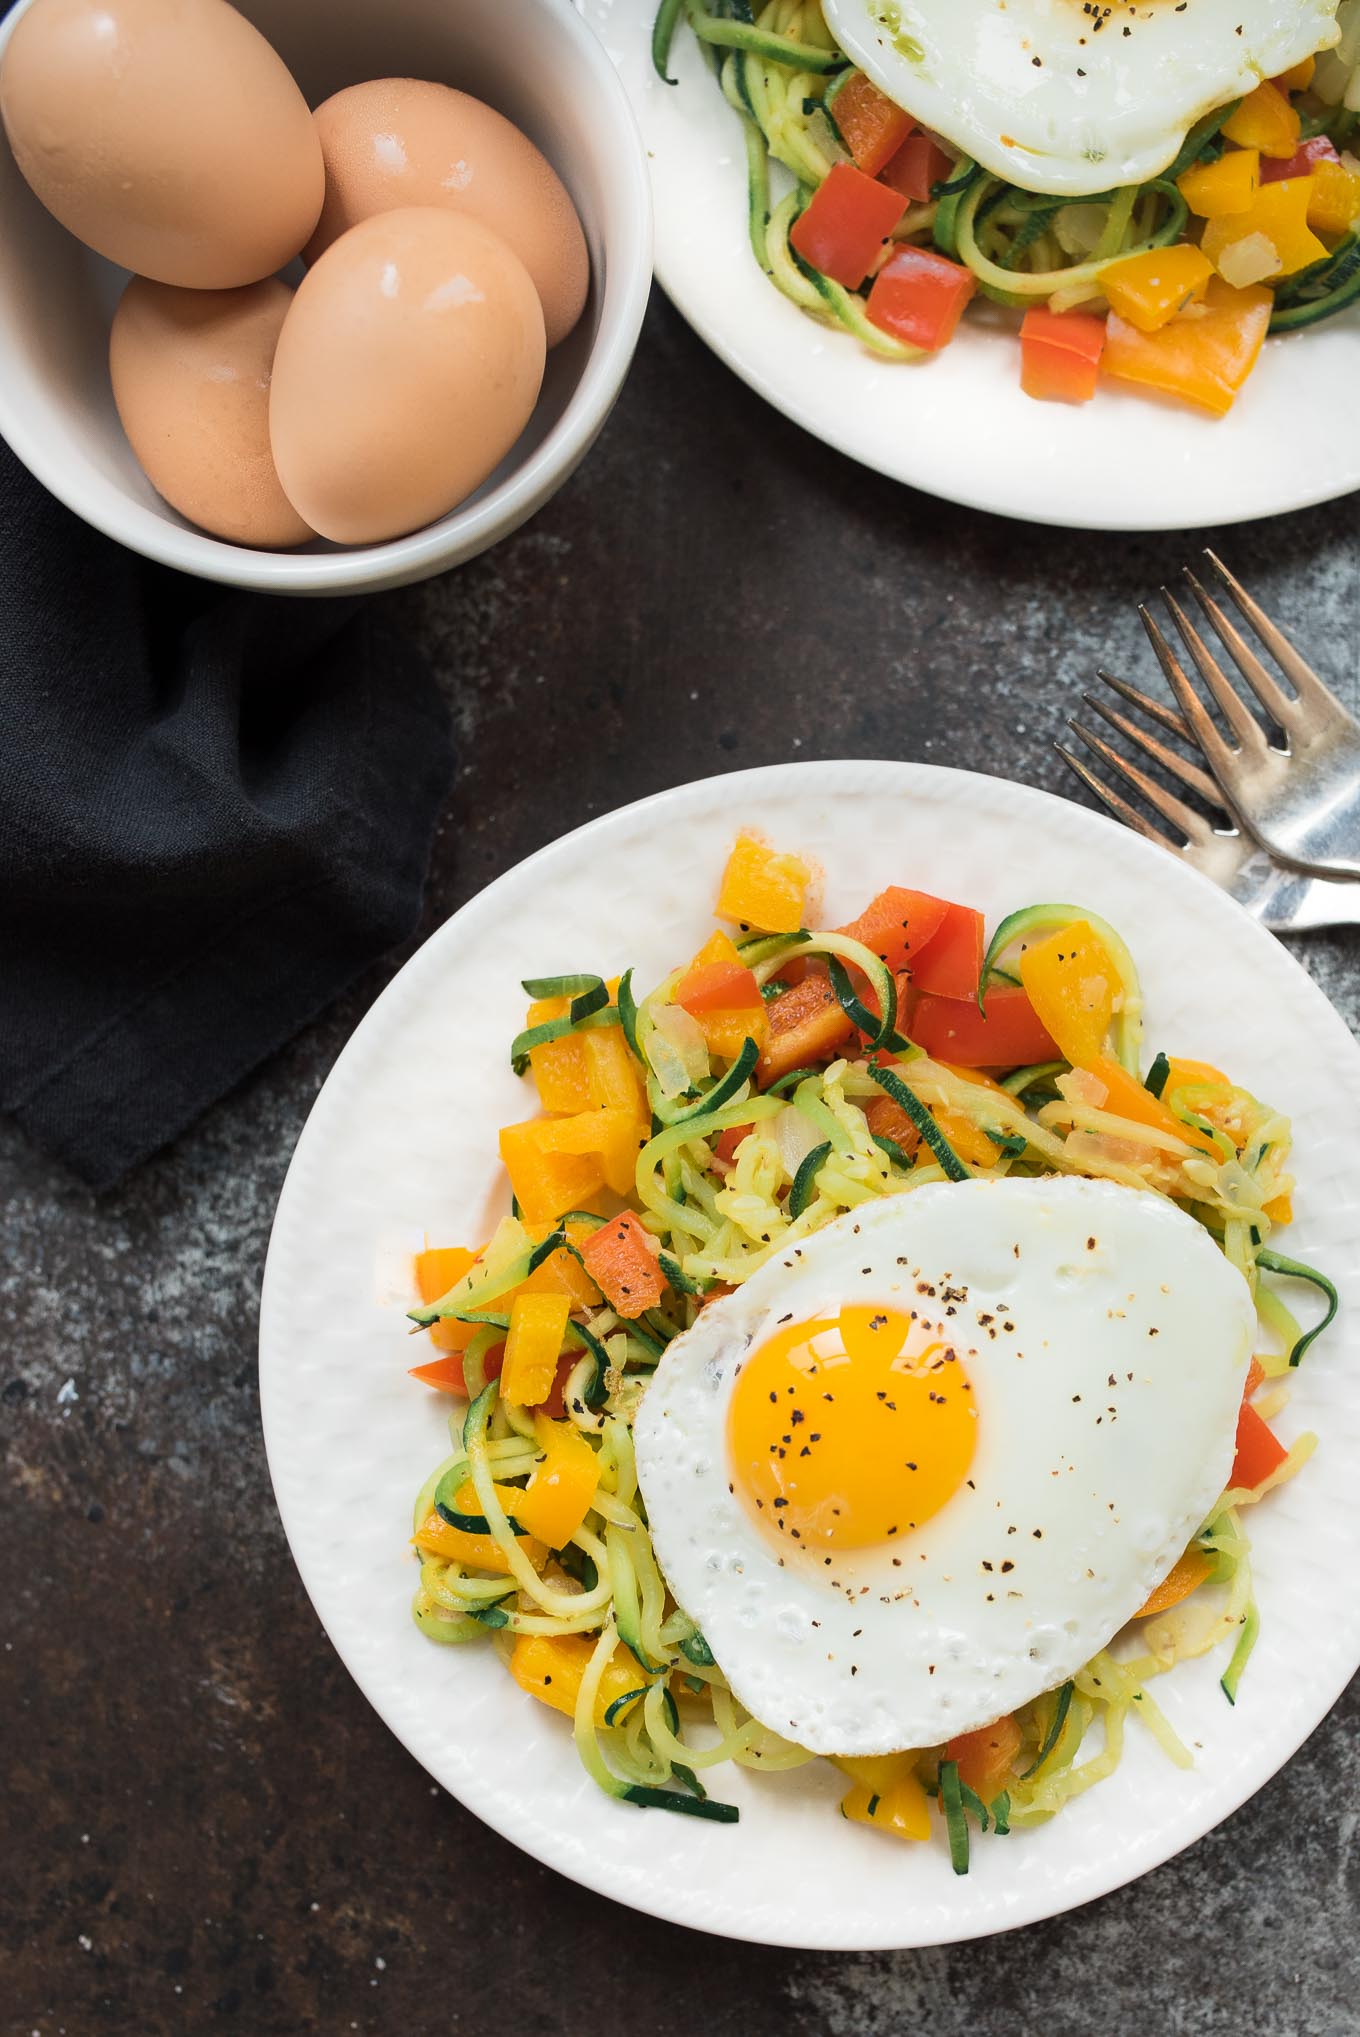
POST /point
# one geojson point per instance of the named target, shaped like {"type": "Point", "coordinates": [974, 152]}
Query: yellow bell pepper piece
{"type": "Point", "coordinates": [560, 1273]}
{"type": "Point", "coordinates": [560, 1068]}
{"type": "Point", "coordinates": [763, 889]}
{"type": "Point", "coordinates": [1334, 205]}
{"type": "Point", "coordinates": [438, 1537]}
{"type": "Point", "coordinates": [1280, 1208]}
{"type": "Point", "coordinates": [1204, 356]}
{"type": "Point", "coordinates": [1074, 986]}
{"type": "Point", "coordinates": [886, 1793]}
{"type": "Point", "coordinates": [1298, 77]}
{"type": "Point", "coordinates": [547, 1178]}
{"type": "Point", "coordinates": [613, 1077]}
{"type": "Point", "coordinates": [437, 1270]}
{"type": "Point", "coordinates": [612, 1138]}
{"type": "Point", "coordinates": [550, 1667]}
{"type": "Point", "coordinates": [559, 1495]}
{"type": "Point", "coordinates": [1275, 224]}
{"type": "Point", "coordinates": [538, 1323]}
{"type": "Point", "coordinates": [1227, 186]}
{"type": "Point", "coordinates": [1266, 121]}
{"type": "Point", "coordinates": [1150, 288]}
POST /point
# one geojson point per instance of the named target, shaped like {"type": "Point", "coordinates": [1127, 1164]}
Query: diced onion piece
{"type": "Point", "coordinates": [796, 1136]}
{"type": "Point", "coordinates": [1254, 259]}
{"type": "Point", "coordinates": [676, 1049]}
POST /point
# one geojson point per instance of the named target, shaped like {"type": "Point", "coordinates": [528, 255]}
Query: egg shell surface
{"type": "Point", "coordinates": [409, 364]}
{"type": "Point", "coordinates": [1106, 1340]}
{"type": "Point", "coordinates": [1059, 96]}
{"type": "Point", "coordinates": [166, 134]}
{"type": "Point", "coordinates": [400, 141]}
{"type": "Point", "coordinates": [191, 371]}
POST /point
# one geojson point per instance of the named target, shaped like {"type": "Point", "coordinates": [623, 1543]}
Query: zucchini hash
{"type": "Point", "coordinates": [879, 1363]}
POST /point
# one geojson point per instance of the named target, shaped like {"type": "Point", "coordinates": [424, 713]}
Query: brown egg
{"type": "Point", "coordinates": [400, 142]}
{"type": "Point", "coordinates": [191, 373]}
{"type": "Point", "coordinates": [164, 133]}
{"type": "Point", "coordinates": [409, 364]}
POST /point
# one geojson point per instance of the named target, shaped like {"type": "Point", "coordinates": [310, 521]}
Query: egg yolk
{"type": "Point", "coordinates": [851, 1430]}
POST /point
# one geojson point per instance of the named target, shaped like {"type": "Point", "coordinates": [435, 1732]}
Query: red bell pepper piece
{"type": "Point", "coordinates": [870, 124]}
{"type": "Point", "coordinates": [897, 924]}
{"type": "Point", "coordinates": [919, 297]}
{"type": "Point", "coordinates": [1319, 149]}
{"type": "Point", "coordinates": [726, 1144]}
{"type": "Point", "coordinates": [950, 962]}
{"type": "Point", "coordinates": [919, 165]}
{"type": "Point", "coordinates": [1060, 355]}
{"type": "Point", "coordinates": [807, 1025]}
{"type": "Point", "coordinates": [846, 222]}
{"type": "Point", "coordinates": [718, 986]}
{"type": "Point", "coordinates": [446, 1374]}
{"type": "Point", "coordinates": [1010, 1036]}
{"type": "Point", "coordinates": [1259, 1449]}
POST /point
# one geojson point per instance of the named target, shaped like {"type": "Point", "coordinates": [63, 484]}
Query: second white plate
{"type": "Point", "coordinates": [402, 1142]}
{"type": "Point", "coordinates": [959, 426]}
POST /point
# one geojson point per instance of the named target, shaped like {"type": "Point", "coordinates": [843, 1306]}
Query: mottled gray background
{"type": "Point", "coordinates": [206, 1829]}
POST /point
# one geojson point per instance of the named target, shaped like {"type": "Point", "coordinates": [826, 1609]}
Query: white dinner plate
{"type": "Point", "coordinates": [401, 1144]}
{"type": "Point", "coordinates": [959, 426]}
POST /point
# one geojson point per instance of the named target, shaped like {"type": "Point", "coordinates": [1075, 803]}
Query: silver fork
{"type": "Point", "coordinates": [1286, 901]}
{"type": "Point", "coordinates": [1302, 802]}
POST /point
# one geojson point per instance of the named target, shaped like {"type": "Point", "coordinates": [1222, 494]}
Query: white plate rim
{"type": "Point", "coordinates": [548, 1843]}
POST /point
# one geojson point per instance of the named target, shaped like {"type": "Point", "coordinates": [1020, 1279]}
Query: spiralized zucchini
{"type": "Point", "coordinates": [808, 1155]}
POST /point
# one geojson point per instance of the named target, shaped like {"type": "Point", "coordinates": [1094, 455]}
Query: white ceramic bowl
{"type": "Point", "coordinates": [536, 61]}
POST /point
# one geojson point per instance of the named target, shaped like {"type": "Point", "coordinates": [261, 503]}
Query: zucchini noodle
{"type": "Point", "coordinates": [651, 1710]}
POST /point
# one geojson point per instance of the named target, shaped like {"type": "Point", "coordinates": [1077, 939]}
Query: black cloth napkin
{"type": "Point", "coordinates": [215, 810]}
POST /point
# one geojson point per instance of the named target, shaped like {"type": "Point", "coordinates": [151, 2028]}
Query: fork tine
{"type": "Point", "coordinates": [1268, 691]}
{"type": "Point", "coordinates": [1192, 825]}
{"type": "Point", "coordinates": [1296, 669]}
{"type": "Point", "coordinates": [1218, 756]}
{"type": "Point", "coordinates": [1118, 806]}
{"type": "Point", "coordinates": [1240, 721]}
{"type": "Point", "coordinates": [1169, 759]}
{"type": "Point", "coordinates": [1166, 717]}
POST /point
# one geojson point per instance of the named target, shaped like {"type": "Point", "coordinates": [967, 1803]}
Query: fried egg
{"type": "Point", "coordinates": [1073, 96]}
{"type": "Point", "coordinates": [925, 1464]}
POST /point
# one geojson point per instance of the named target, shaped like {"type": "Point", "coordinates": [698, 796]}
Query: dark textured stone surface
{"type": "Point", "coordinates": [205, 1828]}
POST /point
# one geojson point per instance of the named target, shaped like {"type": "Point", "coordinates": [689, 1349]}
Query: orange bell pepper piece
{"type": "Point", "coordinates": [723, 998]}
{"type": "Point", "coordinates": [559, 1495]}
{"type": "Point", "coordinates": [1227, 186]}
{"type": "Point", "coordinates": [1266, 121]}
{"type": "Point", "coordinates": [437, 1270]}
{"type": "Point", "coordinates": [1186, 1574]}
{"type": "Point", "coordinates": [438, 1537]}
{"type": "Point", "coordinates": [1334, 205]}
{"type": "Point", "coordinates": [550, 1668]}
{"type": "Point", "coordinates": [538, 1323]}
{"type": "Point", "coordinates": [986, 1756]}
{"type": "Point", "coordinates": [549, 1177]}
{"type": "Point", "coordinates": [763, 889]}
{"type": "Point", "coordinates": [1259, 1450]}
{"type": "Point", "coordinates": [1125, 1097]}
{"type": "Point", "coordinates": [1074, 986]}
{"type": "Point", "coordinates": [1203, 356]}
{"type": "Point", "coordinates": [1149, 289]}
{"type": "Point", "coordinates": [621, 1258]}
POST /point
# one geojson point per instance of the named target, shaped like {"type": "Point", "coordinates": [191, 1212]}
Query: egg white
{"type": "Point", "coordinates": [1106, 1339]}
{"type": "Point", "coordinates": [1059, 96]}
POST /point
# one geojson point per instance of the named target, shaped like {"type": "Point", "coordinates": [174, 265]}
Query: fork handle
{"type": "Point", "coordinates": [1289, 903]}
